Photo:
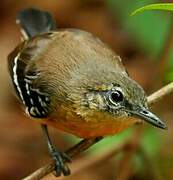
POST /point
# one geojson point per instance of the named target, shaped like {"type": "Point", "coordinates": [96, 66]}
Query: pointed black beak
{"type": "Point", "coordinates": [149, 117]}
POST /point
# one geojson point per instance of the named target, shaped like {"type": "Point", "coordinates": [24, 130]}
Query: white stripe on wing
{"type": "Point", "coordinates": [15, 78]}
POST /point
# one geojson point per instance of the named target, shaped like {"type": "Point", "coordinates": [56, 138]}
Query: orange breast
{"type": "Point", "coordinates": [90, 129]}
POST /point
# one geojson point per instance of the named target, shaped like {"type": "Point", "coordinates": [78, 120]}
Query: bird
{"type": "Point", "coordinates": [70, 80]}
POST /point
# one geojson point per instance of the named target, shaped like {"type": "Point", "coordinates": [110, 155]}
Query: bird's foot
{"type": "Point", "coordinates": [61, 166]}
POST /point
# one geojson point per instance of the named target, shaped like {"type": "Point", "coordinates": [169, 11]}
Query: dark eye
{"type": "Point", "coordinates": [116, 96]}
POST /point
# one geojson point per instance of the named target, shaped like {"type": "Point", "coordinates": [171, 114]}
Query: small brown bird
{"type": "Point", "coordinates": [72, 81]}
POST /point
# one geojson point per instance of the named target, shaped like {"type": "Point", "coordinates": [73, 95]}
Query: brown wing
{"type": "Point", "coordinates": [35, 100]}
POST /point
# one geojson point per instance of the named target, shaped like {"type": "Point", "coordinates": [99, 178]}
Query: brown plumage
{"type": "Point", "coordinates": [78, 63]}
{"type": "Point", "coordinates": [71, 80]}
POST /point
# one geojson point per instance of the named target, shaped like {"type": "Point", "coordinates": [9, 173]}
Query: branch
{"type": "Point", "coordinates": [72, 152]}
{"type": "Point", "coordinates": [85, 144]}
{"type": "Point", "coordinates": [160, 94]}
{"type": "Point", "coordinates": [94, 161]}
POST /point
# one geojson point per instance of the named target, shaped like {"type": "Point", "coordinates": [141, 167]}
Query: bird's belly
{"type": "Point", "coordinates": [88, 129]}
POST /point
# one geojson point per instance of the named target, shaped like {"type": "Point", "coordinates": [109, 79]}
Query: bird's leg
{"type": "Point", "coordinates": [59, 157]}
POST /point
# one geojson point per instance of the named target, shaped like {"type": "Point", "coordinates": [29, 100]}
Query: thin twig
{"type": "Point", "coordinates": [72, 152]}
{"type": "Point", "coordinates": [161, 93]}
{"type": "Point", "coordinates": [92, 161]}
{"type": "Point", "coordinates": [96, 160]}
{"type": "Point", "coordinates": [85, 144]}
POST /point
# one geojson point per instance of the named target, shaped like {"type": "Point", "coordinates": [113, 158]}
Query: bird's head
{"type": "Point", "coordinates": [99, 87]}
{"type": "Point", "coordinates": [115, 96]}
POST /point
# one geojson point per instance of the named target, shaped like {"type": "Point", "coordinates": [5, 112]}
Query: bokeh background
{"type": "Point", "coordinates": [144, 43]}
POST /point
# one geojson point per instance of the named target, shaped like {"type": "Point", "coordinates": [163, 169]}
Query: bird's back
{"type": "Point", "coordinates": [76, 56]}
{"type": "Point", "coordinates": [73, 57]}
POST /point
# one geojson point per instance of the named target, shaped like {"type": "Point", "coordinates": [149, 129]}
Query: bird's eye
{"type": "Point", "coordinates": [116, 96]}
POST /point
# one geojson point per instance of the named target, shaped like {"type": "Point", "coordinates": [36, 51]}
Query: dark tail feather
{"type": "Point", "coordinates": [35, 21]}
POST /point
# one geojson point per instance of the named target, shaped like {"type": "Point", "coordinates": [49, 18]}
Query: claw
{"type": "Point", "coordinates": [66, 157]}
{"type": "Point", "coordinates": [60, 158]}
{"type": "Point", "coordinates": [60, 163]}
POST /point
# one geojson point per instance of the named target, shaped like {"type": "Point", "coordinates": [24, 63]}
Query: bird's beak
{"type": "Point", "coordinates": [149, 117]}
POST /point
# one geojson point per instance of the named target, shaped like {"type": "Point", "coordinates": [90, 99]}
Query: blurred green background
{"type": "Point", "coordinates": [140, 41]}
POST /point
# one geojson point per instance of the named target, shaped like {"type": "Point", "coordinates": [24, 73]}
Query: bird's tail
{"type": "Point", "coordinates": [34, 22]}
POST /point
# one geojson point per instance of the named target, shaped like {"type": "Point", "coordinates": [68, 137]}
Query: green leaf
{"type": "Point", "coordinates": [159, 6]}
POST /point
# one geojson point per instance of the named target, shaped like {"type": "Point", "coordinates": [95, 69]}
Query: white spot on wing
{"type": "Point", "coordinates": [31, 100]}
{"type": "Point", "coordinates": [27, 88]}
{"type": "Point", "coordinates": [27, 80]}
{"type": "Point", "coordinates": [39, 92]}
{"type": "Point", "coordinates": [43, 112]}
{"type": "Point", "coordinates": [47, 99]}
{"type": "Point", "coordinates": [32, 111]}
{"type": "Point", "coordinates": [42, 103]}
{"type": "Point", "coordinates": [32, 77]}
{"type": "Point", "coordinates": [36, 109]}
